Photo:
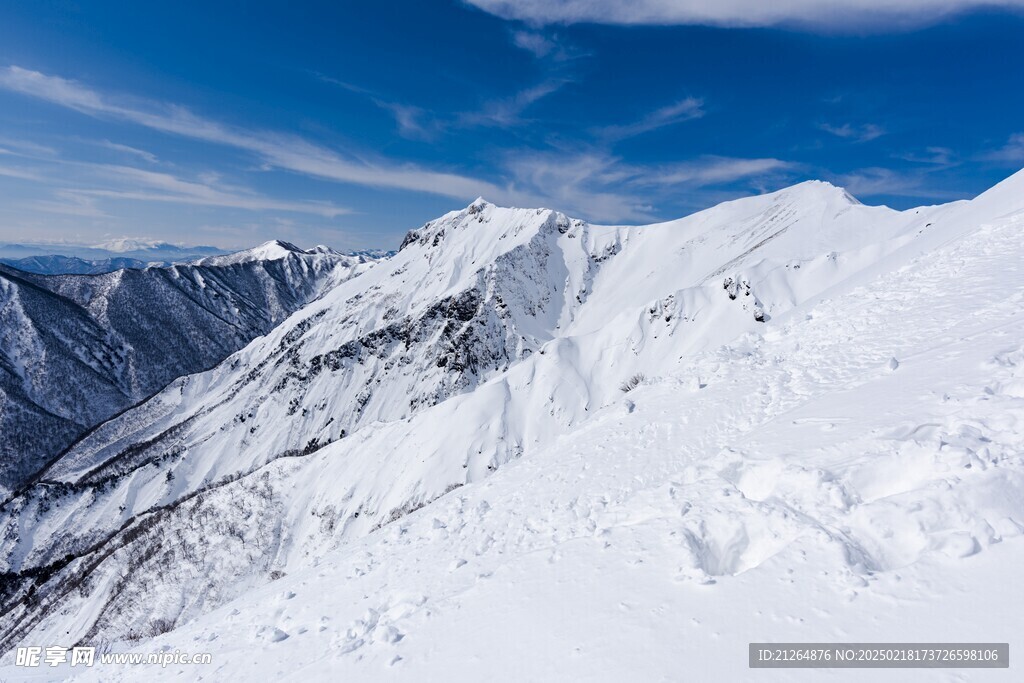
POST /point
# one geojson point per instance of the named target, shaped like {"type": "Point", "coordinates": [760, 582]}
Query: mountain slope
{"type": "Point", "coordinates": [479, 290]}
{"type": "Point", "coordinates": [806, 489]}
{"type": "Point", "coordinates": [75, 350]}
{"type": "Point", "coordinates": [491, 336]}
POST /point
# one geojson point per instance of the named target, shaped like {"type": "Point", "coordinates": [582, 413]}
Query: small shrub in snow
{"type": "Point", "coordinates": [159, 627]}
{"type": "Point", "coordinates": [633, 382]}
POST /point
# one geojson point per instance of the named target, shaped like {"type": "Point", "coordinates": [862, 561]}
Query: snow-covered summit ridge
{"type": "Point", "coordinates": [272, 250]}
{"type": "Point", "coordinates": [275, 250]}
{"type": "Point", "coordinates": [811, 199]}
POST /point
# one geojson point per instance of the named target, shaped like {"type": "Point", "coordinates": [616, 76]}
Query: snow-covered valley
{"type": "Point", "coordinates": [530, 448]}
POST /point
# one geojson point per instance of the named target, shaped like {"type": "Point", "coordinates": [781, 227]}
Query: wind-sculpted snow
{"type": "Point", "coordinates": [75, 350]}
{"type": "Point", "coordinates": [818, 393]}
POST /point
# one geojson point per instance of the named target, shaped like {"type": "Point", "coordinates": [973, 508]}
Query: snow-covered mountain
{"type": "Point", "coordinates": [62, 264]}
{"type": "Point", "coordinates": [124, 245]}
{"type": "Point", "coordinates": [76, 349]}
{"type": "Point", "coordinates": [598, 432]}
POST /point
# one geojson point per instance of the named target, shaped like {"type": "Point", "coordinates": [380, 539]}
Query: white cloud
{"type": "Point", "coordinates": [940, 157]}
{"type": "Point", "coordinates": [718, 170]}
{"type": "Point", "coordinates": [599, 186]}
{"type": "Point", "coordinates": [1012, 151]}
{"type": "Point", "coordinates": [276, 150]}
{"type": "Point", "coordinates": [132, 151]}
{"type": "Point", "coordinates": [77, 186]}
{"type": "Point", "coordinates": [416, 123]}
{"type": "Point", "coordinates": [547, 47]}
{"type": "Point", "coordinates": [885, 182]}
{"type": "Point", "coordinates": [587, 184]}
{"type": "Point", "coordinates": [68, 203]}
{"type": "Point", "coordinates": [25, 148]}
{"type": "Point", "coordinates": [677, 112]}
{"type": "Point", "coordinates": [536, 43]}
{"type": "Point", "coordinates": [831, 14]}
{"type": "Point", "coordinates": [19, 173]}
{"type": "Point", "coordinates": [412, 121]}
{"type": "Point", "coordinates": [141, 185]}
{"type": "Point", "coordinates": [503, 113]}
{"type": "Point", "coordinates": [862, 133]}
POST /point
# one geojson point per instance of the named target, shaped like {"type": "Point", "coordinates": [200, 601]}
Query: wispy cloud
{"type": "Point", "coordinates": [151, 186]}
{"type": "Point", "coordinates": [413, 122]}
{"type": "Point", "coordinates": [19, 173]}
{"type": "Point", "coordinates": [536, 43]}
{"type": "Point", "coordinates": [538, 185]}
{"type": "Point", "coordinates": [714, 170]}
{"type": "Point", "coordinates": [886, 182]}
{"type": "Point", "coordinates": [546, 47]}
{"type": "Point", "coordinates": [76, 186]}
{"type": "Point", "coordinates": [416, 123]}
{"type": "Point", "coordinates": [600, 186]}
{"type": "Point", "coordinates": [683, 110]}
{"type": "Point", "coordinates": [587, 184]}
{"type": "Point", "coordinates": [276, 150]}
{"type": "Point", "coordinates": [68, 203]}
{"type": "Point", "coordinates": [351, 87]}
{"type": "Point", "coordinates": [1012, 152]}
{"type": "Point", "coordinates": [939, 157]}
{"type": "Point", "coordinates": [857, 133]}
{"type": "Point", "coordinates": [886, 15]}
{"type": "Point", "coordinates": [509, 111]}
{"type": "Point", "coordinates": [25, 148]}
{"type": "Point", "coordinates": [131, 151]}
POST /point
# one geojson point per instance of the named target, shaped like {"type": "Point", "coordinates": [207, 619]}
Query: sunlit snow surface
{"type": "Point", "coordinates": [849, 469]}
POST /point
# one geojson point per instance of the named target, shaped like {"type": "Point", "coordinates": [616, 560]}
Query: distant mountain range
{"type": "Point", "coordinates": [77, 349]}
{"type": "Point", "coordinates": [59, 259]}
{"type": "Point", "coordinates": [56, 264]}
{"type": "Point", "coordinates": [145, 251]}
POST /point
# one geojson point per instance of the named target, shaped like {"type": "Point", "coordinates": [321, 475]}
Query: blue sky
{"type": "Point", "coordinates": [349, 123]}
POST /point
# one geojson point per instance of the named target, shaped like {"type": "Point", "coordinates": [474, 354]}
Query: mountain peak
{"type": "Point", "coordinates": [821, 189]}
{"type": "Point", "coordinates": [277, 247]}
{"type": "Point", "coordinates": [272, 250]}
{"type": "Point", "coordinates": [488, 223]}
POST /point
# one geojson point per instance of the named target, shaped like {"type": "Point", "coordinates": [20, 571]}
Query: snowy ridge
{"type": "Point", "coordinates": [746, 335]}
{"type": "Point", "coordinates": [54, 264]}
{"type": "Point", "coordinates": [273, 251]}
